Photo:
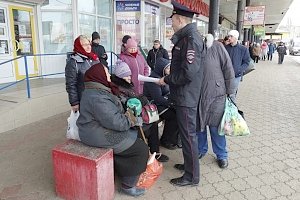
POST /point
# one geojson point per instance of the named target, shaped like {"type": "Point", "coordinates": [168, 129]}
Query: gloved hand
{"type": "Point", "coordinates": [139, 121]}
{"type": "Point", "coordinates": [129, 113]}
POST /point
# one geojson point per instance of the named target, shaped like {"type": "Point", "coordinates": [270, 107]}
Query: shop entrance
{"type": "Point", "coordinates": [23, 40]}
{"type": "Point", "coordinates": [17, 38]}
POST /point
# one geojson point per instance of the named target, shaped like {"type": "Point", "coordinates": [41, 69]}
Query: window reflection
{"type": "Point", "coordinates": [57, 36]}
{"type": "Point", "coordinates": [57, 4]}
{"type": "Point", "coordinates": [87, 6]}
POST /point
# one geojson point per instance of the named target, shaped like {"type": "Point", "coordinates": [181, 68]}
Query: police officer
{"type": "Point", "coordinates": [185, 85]}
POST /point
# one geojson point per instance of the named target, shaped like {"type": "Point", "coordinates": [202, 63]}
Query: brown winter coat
{"type": "Point", "coordinates": [256, 51]}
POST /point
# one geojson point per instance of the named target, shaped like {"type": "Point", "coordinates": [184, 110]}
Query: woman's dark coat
{"type": "Point", "coordinates": [74, 73]}
{"type": "Point", "coordinates": [102, 122]}
{"type": "Point", "coordinates": [218, 80]}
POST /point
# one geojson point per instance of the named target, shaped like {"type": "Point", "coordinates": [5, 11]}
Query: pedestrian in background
{"type": "Point", "coordinates": [264, 50]}
{"type": "Point", "coordinates": [239, 56]}
{"type": "Point", "coordinates": [271, 51]}
{"type": "Point", "coordinates": [226, 40]}
{"type": "Point", "coordinates": [256, 52]}
{"type": "Point", "coordinates": [185, 84]}
{"type": "Point", "coordinates": [98, 49]}
{"type": "Point", "coordinates": [80, 61]}
{"type": "Point", "coordinates": [156, 52]}
{"type": "Point", "coordinates": [218, 83]}
{"type": "Point", "coordinates": [281, 49]}
{"type": "Point", "coordinates": [124, 41]}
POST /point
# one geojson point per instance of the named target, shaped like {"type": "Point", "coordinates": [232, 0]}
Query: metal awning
{"type": "Point", "coordinates": [28, 1]}
{"type": "Point", "coordinates": [275, 11]}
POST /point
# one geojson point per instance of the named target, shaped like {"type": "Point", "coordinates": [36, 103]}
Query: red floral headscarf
{"type": "Point", "coordinates": [79, 49]}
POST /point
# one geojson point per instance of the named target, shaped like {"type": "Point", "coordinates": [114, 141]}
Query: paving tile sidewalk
{"type": "Point", "coordinates": [265, 165]}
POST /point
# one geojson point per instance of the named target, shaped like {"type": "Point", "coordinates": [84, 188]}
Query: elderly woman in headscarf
{"type": "Point", "coordinates": [102, 123]}
{"type": "Point", "coordinates": [81, 59]}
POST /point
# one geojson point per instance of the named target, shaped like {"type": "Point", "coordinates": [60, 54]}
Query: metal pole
{"type": "Point", "coordinates": [27, 77]}
{"type": "Point", "coordinates": [247, 31]}
{"type": "Point", "coordinates": [239, 15]}
{"type": "Point", "coordinates": [213, 17]}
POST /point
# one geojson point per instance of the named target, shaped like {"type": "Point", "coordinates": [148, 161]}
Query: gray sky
{"type": "Point", "coordinates": [293, 13]}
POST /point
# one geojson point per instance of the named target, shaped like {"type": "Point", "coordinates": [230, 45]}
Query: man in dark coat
{"type": "Point", "coordinates": [185, 84]}
{"type": "Point", "coordinates": [281, 49]}
{"type": "Point", "coordinates": [99, 49]}
{"type": "Point", "coordinates": [239, 56]}
{"type": "Point", "coordinates": [218, 82]}
{"type": "Point", "coordinates": [156, 52]}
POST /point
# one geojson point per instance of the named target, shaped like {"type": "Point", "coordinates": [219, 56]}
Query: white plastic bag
{"type": "Point", "coordinates": [72, 131]}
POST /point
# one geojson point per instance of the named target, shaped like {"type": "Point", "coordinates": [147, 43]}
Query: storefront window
{"type": "Point", "coordinates": [104, 7]}
{"type": "Point", "coordinates": [169, 32]}
{"type": "Point", "coordinates": [151, 24]}
{"type": "Point", "coordinates": [104, 27]}
{"type": "Point", "coordinates": [87, 24]}
{"type": "Point", "coordinates": [87, 6]}
{"type": "Point", "coordinates": [57, 4]}
{"type": "Point", "coordinates": [57, 37]}
{"type": "Point", "coordinates": [90, 19]}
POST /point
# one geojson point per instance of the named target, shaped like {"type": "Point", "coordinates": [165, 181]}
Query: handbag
{"type": "Point", "coordinates": [72, 131]}
{"type": "Point", "coordinates": [232, 123]}
{"type": "Point", "coordinates": [150, 114]}
{"type": "Point", "coordinates": [250, 67]}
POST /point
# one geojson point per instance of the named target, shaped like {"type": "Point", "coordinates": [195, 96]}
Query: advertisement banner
{"type": "Point", "coordinates": [128, 6]}
{"type": "Point", "coordinates": [259, 30]}
{"type": "Point", "coordinates": [128, 19]}
{"type": "Point", "coordinates": [254, 15]}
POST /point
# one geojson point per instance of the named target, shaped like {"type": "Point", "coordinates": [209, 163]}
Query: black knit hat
{"type": "Point", "coordinates": [95, 36]}
{"type": "Point", "coordinates": [125, 38]}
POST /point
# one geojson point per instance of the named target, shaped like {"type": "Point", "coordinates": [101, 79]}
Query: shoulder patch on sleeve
{"type": "Point", "coordinates": [190, 56]}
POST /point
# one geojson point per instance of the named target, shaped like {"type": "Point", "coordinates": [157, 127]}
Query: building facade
{"type": "Point", "coordinates": [35, 27]}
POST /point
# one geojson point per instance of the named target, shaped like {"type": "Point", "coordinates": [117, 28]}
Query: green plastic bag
{"type": "Point", "coordinates": [232, 123]}
{"type": "Point", "coordinates": [135, 105]}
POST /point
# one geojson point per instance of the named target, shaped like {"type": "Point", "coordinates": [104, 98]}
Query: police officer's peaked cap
{"type": "Point", "coordinates": [180, 9]}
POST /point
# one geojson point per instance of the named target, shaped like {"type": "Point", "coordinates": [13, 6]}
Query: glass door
{"type": "Point", "coordinates": [23, 40]}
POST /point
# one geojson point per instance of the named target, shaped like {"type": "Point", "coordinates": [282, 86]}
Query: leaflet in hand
{"type": "Point", "coordinates": [147, 79]}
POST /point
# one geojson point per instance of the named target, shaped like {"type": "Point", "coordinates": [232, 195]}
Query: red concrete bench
{"type": "Point", "coordinates": [82, 172]}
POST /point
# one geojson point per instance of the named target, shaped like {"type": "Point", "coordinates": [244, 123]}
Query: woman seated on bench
{"type": "Point", "coordinates": [102, 123]}
{"type": "Point", "coordinates": [159, 94]}
{"type": "Point", "coordinates": [122, 78]}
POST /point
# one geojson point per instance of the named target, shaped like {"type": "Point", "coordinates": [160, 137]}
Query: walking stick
{"type": "Point", "coordinates": [143, 135]}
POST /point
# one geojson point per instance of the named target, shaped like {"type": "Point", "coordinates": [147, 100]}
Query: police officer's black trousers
{"type": "Point", "coordinates": [186, 118]}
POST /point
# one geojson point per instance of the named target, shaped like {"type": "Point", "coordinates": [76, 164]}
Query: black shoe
{"type": "Point", "coordinates": [201, 155]}
{"type": "Point", "coordinates": [179, 167]}
{"type": "Point", "coordinates": [134, 191]}
{"type": "Point", "coordinates": [162, 158]}
{"type": "Point", "coordinates": [168, 146]}
{"type": "Point", "coordinates": [179, 145]}
{"type": "Point", "coordinates": [182, 182]}
{"type": "Point", "coordinates": [222, 163]}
